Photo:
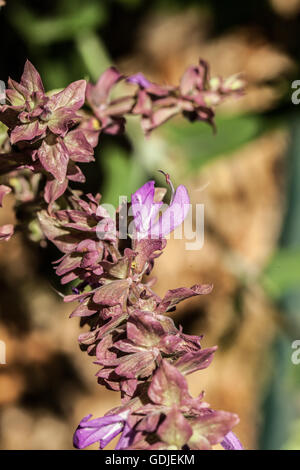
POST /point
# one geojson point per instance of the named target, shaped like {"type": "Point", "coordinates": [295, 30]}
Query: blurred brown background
{"type": "Point", "coordinates": [247, 177]}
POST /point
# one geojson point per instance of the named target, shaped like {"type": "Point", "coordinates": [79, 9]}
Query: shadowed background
{"type": "Point", "coordinates": [247, 176]}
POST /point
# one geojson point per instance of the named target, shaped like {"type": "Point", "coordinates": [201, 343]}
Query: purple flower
{"type": "Point", "coordinates": [126, 437]}
{"type": "Point", "coordinates": [146, 204]}
{"type": "Point", "coordinates": [139, 79]}
{"type": "Point", "coordinates": [231, 442]}
{"type": "Point", "coordinates": [101, 430]}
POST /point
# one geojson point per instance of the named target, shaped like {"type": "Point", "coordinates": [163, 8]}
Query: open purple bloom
{"type": "Point", "coordinates": [146, 208]}
{"type": "Point", "coordinates": [127, 436]}
{"type": "Point", "coordinates": [101, 430]}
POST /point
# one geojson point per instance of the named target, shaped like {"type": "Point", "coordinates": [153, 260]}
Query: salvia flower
{"type": "Point", "coordinates": [101, 430]}
{"type": "Point", "coordinates": [146, 208]}
{"type": "Point", "coordinates": [141, 352]}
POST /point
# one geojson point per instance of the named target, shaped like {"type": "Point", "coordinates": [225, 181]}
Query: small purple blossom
{"type": "Point", "coordinates": [101, 430]}
{"type": "Point", "coordinates": [139, 79]}
{"type": "Point", "coordinates": [146, 209]}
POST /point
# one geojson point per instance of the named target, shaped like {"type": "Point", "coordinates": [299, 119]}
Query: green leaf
{"type": "Point", "coordinates": [48, 30]}
{"type": "Point", "coordinates": [200, 145]}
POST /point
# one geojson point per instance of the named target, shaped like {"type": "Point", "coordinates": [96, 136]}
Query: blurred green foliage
{"type": "Point", "coordinates": [282, 282]}
{"type": "Point", "coordinates": [283, 272]}
{"type": "Point", "coordinates": [65, 22]}
{"type": "Point", "coordinates": [200, 145]}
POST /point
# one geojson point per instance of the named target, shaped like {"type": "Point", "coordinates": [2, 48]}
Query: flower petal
{"type": "Point", "coordinates": [174, 215]}
{"type": "Point", "coordinates": [101, 429]}
{"type": "Point", "coordinates": [231, 442]}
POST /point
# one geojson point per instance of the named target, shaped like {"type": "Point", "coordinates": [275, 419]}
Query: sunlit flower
{"type": "Point", "coordinates": [146, 208]}
{"type": "Point", "coordinates": [101, 430]}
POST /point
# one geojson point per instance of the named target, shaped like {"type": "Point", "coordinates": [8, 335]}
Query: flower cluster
{"type": "Point", "coordinates": [169, 420]}
{"type": "Point", "coordinates": [142, 354]}
{"type": "Point", "coordinates": [44, 129]}
{"type": "Point", "coordinates": [194, 98]}
{"type": "Point", "coordinates": [140, 351]}
{"type": "Point", "coordinates": [48, 134]}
